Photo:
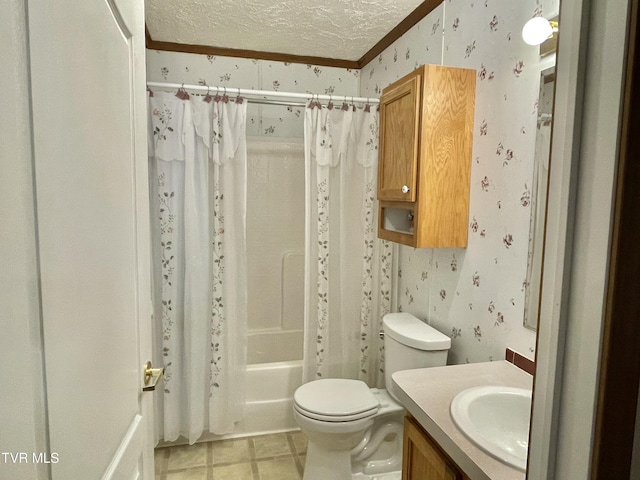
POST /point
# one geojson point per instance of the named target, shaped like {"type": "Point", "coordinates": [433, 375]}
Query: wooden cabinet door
{"type": "Point", "coordinates": [399, 126]}
{"type": "Point", "coordinates": [421, 460]}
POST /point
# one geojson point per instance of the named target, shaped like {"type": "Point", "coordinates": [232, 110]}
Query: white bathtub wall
{"type": "Point", "coordinates": [293, 290]}
{"type": "Point", "coordinates": [274, 346]}
{"type": "Point", "coordinates": [275, 249]}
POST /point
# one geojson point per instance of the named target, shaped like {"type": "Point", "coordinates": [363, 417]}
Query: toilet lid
{"type": "Point", "coordinates": [335, 399]}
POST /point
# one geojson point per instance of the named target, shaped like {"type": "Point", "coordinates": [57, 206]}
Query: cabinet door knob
{"type": "Point", "coordinates": [405, 189]}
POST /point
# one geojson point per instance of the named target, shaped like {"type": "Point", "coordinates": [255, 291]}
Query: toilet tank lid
{"type": "Point", "coordinates": [413, 332]}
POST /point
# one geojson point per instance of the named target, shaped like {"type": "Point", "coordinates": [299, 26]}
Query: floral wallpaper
{"type": "Point", "coordinates": [231, 72]}
{"type": "Point", "coordinates": [476, 295]}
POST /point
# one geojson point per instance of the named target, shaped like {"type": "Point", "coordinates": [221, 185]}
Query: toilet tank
{"type": "Point", "coordinates": [411, 343]}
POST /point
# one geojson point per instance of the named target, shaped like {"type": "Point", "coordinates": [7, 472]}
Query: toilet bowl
{"type": "Point", "coordinates": [355, 432]}
{"type": "Point", "coordinates": [346, 424]}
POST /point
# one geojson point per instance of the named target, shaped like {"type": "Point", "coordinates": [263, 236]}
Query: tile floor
{"type": "Point", "coordinates": [278, 456]}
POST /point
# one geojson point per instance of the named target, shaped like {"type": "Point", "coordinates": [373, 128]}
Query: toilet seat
{"type": "Point", "coordinates": [335, 400]}
{"type": "Point", "coordinates": [335, 418]}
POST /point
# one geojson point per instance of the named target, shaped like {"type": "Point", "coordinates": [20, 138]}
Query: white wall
{"type": "Point", "coordinates": [596, 169]}
{"type": "Point", "coordinates": [477, 295]}
{"type": "Point", "coordinates": [583, 165]}
{"type": "Point", "coordinates": [22, 409]}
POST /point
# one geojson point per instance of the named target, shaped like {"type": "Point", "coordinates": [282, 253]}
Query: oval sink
{"type": "Point", "coordinates": [496, 419]}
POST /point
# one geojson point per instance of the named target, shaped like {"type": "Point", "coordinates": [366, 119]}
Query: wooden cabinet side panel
{"type": "Point", "coordinates": [448, 107]}
{"type": "Point", "coordinates": [398, 146]}
{"type": "Point", "coordinates": [420, 459]}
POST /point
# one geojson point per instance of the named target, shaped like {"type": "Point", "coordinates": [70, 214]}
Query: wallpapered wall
{"type": "Point", "coordinates": [474, 295]}
{"type": "Point", "coordinates": [264, 120]}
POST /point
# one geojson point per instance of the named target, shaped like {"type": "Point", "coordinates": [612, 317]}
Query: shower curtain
{"type": "Point", "coordinates": [347, 269]}
{"type": "Point", "coordinates": [197, 162]}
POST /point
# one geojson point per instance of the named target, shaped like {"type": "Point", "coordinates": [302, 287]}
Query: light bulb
{"type": "Point", "coordinates": [536, 31]}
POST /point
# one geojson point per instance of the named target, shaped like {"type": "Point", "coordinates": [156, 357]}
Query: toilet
{"type": "Point", "coordinates": [355, 432]}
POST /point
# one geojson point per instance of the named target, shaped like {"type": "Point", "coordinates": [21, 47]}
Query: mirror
{"type": "Point", "coordinates": [539, 197]}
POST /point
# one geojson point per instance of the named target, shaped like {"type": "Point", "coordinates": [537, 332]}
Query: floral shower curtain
{"type": "Point", "coordinates": [347, 269]}
{"type": "Point", "coordinates": [197, 152]}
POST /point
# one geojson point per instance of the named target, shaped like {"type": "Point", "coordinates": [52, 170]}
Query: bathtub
{"type": "Point", "coordinates": [274, 371]}
{"type": "Point", "coordinates": [269, 406]}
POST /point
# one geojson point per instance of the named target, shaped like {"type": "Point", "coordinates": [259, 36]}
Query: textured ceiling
{"type": "Point", "coordinates": [343, 29]}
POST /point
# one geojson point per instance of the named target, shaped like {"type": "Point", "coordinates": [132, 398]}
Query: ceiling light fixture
{"type": "Point", "coordinates": [537, 30]}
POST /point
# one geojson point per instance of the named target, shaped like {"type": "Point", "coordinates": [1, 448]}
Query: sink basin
{"type": "Point", "coordinates": [496, 419]}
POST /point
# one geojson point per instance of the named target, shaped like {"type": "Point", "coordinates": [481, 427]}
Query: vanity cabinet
{"type": "Point", "coordinates": [426, 136]}
{"type": "Point", "coordinates": [422, 458]}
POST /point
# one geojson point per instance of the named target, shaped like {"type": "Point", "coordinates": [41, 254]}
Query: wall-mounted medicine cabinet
{"type": "Point", "coordinates": [426, 136]}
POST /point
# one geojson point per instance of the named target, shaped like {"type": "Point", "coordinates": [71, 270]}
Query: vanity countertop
{"type": "Point", "coordinates": [427, 393]}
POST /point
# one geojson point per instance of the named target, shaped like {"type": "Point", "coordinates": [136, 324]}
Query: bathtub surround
{"type": "Point", "coordinates": [197, 174]}
{"type": "Point", "coordinates": [275, 249]}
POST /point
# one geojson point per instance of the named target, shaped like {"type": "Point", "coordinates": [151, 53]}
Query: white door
{"type": "Point", "coordinates": [89, 123]}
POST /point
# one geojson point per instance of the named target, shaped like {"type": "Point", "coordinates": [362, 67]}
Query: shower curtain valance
{"type": "Point", "coordinates": [337, 133]}
{"type": "Point", "coordinates": [178, 123]}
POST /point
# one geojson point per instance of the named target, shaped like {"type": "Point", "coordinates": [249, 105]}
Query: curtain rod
{"type": "Point", "coordinates": [265, 96]}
